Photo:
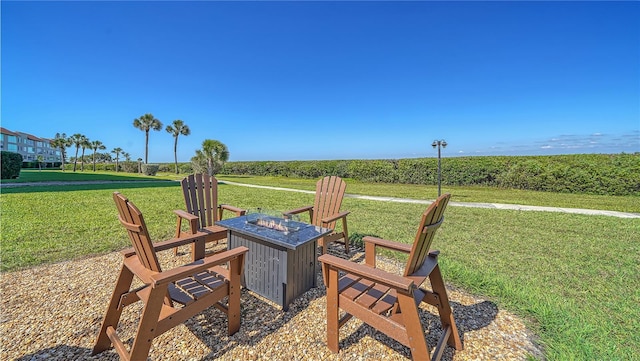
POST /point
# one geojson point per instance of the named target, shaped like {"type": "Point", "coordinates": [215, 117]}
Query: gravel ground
{"type": "Point", "coordinates": [54, 312]}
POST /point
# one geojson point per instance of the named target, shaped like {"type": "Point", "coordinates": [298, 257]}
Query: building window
{"type": "Point", "coordinates": [12, 147]}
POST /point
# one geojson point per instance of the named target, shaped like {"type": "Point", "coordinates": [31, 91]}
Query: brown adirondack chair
{"type": "Point", "coordinates": [390, 302]}
{"type": "Point", "coordinates": [326, 210]}
{"type": "Point", "coordinates": [196, 286]}
{"type": "Point", "coordinates": [201, 199]}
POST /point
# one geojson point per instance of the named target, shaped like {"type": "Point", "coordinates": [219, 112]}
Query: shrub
{"type": "Point", "coordinates": [30, 164]}
{"type": "Point", "coordinates": [129, 167]}
{"type": "Point", "coordinates": [374, 171]}
{"type": "Point", "coordinates": [150, 169]}
{"type": "Point", "coordinates": [185, 168]}
{"type": "Point", "coordinates": [166, 168]}
{"type": "Point", "coordinates": [11, 164]}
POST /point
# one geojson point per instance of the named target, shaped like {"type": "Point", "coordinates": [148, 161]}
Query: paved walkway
{"type": "Point", "coordinates": [465, 204]}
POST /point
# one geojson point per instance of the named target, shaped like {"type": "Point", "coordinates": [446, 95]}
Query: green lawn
{"type": "Point", "coordinates": [460, 194]}
{"type": "Point", "coordinates": [573, 277]}
{"type": "Point", "coordinates": [50, 175]}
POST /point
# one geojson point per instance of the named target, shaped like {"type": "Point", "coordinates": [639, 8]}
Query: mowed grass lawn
{"type": "Point", "coordinates": [574, 278]}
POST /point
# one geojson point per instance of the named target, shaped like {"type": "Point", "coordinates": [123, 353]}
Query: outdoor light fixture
{"type": "Point", "coordinates": [440, 144]}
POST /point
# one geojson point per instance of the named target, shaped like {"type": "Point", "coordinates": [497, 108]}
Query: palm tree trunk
{"type": "Point", "coordinates": [62, 153]}
{"type": "Point", "coordinates": [75, 161]}
{"type": "Point", "coordinates": [146, 147]}
{"type": "Point", "coordinates": [175, 153]}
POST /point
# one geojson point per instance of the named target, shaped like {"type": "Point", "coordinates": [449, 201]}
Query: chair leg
{"type": "Point", "coordinates": [413, 327]}
{"type": "Point", "coordinates": [112, 315]}
{"type": "Point", "coordinates": [345, 233]}
{"type": "Point", "coordinates": [333, 327]}
{"type": "Point", "coordinates": [444, 309]}
{"type": "Point", "coordinates": [233, 307]}
{"type": "Point", "coordinates": [198, 249]}
{"type": "Point", "coordinates": [148, 324]}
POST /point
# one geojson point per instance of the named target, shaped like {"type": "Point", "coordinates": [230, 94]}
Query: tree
{"type": "Point", "coordinates": [84, 145]}
{"type": "Point", "coordinates": [61, 142]}
{"type": "Point", "coordinates": [178, 128]}
{"type": "Point", "coordinates": [77, 140]}
{"type": "Point", "coordinates": [146, 123]}
{"type": "Point", "coordinates": [95, 145]}
{"type": "Point", "coordinates": [126, 156]}
{"type": "Point", "coordinates": [211, 157]}
{"type": "Point", "coordinates": [40, 161]}
{"type": "Point", "coordinates": [117, 152]}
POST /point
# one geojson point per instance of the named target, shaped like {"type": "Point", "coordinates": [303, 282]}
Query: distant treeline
{"type": "Point", "coordinates": [606, 174]}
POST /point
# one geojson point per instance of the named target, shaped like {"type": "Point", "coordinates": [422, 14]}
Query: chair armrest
{"type": "Point", "coordinates": [184, 214]}
{"type": "Point", "coordinates": [385, 243]}
{"type": "Point", "coordinates": [168, 244]}
{"type": "Point", "coordinates": [373, 274]}
{"type": "Point", "coordinates": [335, 217]}
{"type": "Point", "coordinates": [371, 243]}
{"type": "Point", "coordinates": [193, 221]}
{"type": "Point", "coordinates": [299, 210]}
{"type": "Point", "coordinates": [197, 266]}
{"type": "Point", "coordinates": [177, 242]}
{"type": "Point", "coordinates": [236, 210]}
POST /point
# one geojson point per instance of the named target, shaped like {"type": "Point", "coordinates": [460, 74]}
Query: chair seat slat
{"type": "Point", "coordinates": [372, 296]}
{"type": "Point", "coordinates": [385, 303]}
{"type": "Point", "coordinates": [357, 289]}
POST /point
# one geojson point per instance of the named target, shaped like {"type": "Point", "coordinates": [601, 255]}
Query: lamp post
{"type": "Point", "coordinates": [439, 143]}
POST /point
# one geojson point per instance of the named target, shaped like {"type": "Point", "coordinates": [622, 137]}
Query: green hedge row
{"type": "Point", "coordinates": [132, 167]}
{"type": "Point", "coordinates": [606, 174]}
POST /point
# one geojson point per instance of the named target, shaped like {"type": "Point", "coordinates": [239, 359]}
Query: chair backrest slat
{"type": "Point", "coordinates": [211, 203]}
{"type": "Point", "coordinates": [431, 220]}
{"type": "Point", "coordinates": [329, 194]}
{"type": "Point", "coordinates": [201, 198]}
{"type": "Point", "coordinates": [131, 218]}
{"type": "Point", "coordinates": [186, 192]}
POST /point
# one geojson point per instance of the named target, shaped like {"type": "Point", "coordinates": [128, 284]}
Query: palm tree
{"type": "Point", "coordinates": [145, 123]}
{"type": "Point", "coordinates": [77, 140]}
{"type": "Point", "coordinates": [126, 156]}
{"type": "Point", "coordinates": [62, 142]}
{"type": "Point", "coordinates": [117, 152]}
{"type": "Point", "coordinates": [212, 155]}
{"type": "Point", "coordinates": [178, 128]}
{"type": "Point", "coordinates": [95, 145]}
{"type": "Point", "coordinates": [40, 161]}
{"type": "Point", "coordinates": [84, 145]}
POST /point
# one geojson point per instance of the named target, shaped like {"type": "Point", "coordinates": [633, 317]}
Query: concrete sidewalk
{"type": "Point", "coordinates": [517, 207]}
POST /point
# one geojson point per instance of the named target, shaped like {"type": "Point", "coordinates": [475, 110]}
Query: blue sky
{"type": "Point", "coordinates": [328, 80]}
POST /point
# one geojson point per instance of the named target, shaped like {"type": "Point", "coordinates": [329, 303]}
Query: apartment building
{"type": "Point", "coordinates": [30, 147]}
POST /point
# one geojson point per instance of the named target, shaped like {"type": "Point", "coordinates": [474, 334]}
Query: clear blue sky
{"type": "Point", "coordinates": [328, 80]}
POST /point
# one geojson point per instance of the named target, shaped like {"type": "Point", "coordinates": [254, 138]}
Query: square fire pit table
{"type": "Point", "coordinates": [281, 262]}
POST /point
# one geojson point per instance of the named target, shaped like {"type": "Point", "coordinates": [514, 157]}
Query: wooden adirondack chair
{"type": "Point", "coordinates": [389, 302]}
{"type": "Point", "coordinates": [326, 210]}
{"type": "Point", "coordinates": [196, 286]}
{"type": "Point", "coordinates": [201, 199]}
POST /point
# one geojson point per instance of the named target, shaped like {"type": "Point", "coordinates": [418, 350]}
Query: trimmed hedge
{"type": "Point", "coordinates": [11, 165]}
{"type": "Point", "coordinates": [606, 174]}
{"type": "Point", "coordinates": [150, 169]}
